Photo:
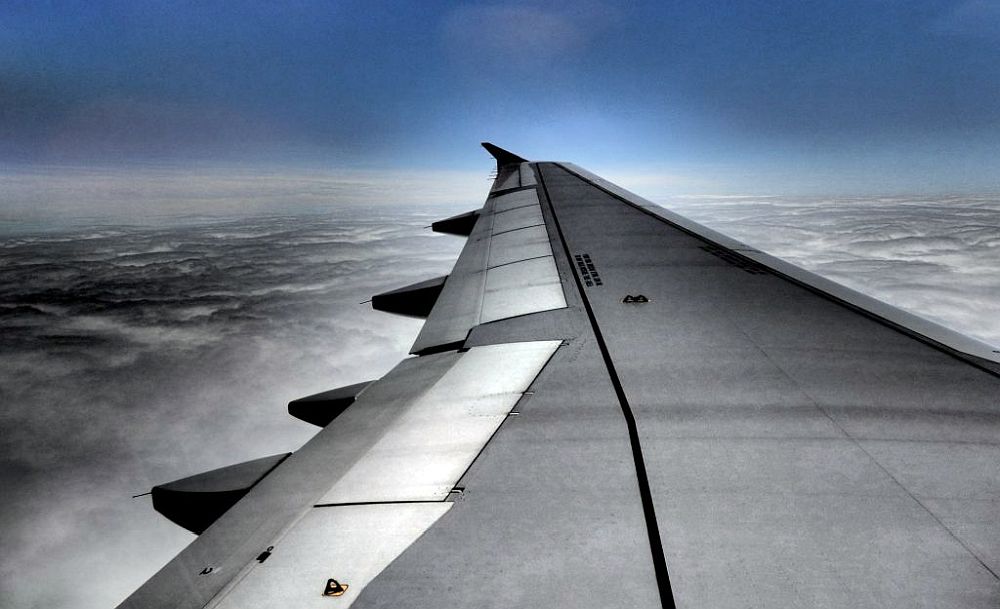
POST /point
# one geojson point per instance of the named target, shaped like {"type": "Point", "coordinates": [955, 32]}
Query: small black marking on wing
{"type": "Point", "coordinates": [637, 299]}
{"type": "Point", "coordinates": [334, 588]}
{"type": "Point", "coordinates": [588, 272]}
{"type": "Point", "coordinates": [735, 259]}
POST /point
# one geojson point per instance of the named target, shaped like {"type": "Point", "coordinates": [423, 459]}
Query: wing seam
{"type": "Point", "coordinates": [645, 494]}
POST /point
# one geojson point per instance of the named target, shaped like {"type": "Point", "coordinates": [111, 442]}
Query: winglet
{"type": "Point", "coordinates": [503, 157]}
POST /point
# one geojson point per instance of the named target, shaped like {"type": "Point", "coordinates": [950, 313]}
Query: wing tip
{"type": "Point", "coordinates": [503, 157]}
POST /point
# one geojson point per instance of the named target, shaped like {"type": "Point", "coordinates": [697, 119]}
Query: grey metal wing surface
{"type": "Point", "coordinates": [610, 405]}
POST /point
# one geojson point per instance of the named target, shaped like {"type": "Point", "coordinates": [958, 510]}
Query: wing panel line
{"type": "Point", "coordinates": [510, 230]}
{"type": "Point", "coordinates": [649, 512]}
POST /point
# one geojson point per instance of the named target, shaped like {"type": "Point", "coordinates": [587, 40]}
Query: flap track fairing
{"type": "Point", "coordinates": [321, 408]}
{"type": "Point", "coordinates": [415, 300]}
{"type": "Point", "coordinates": [197, 501]}
{"type": "Point", "coordinates": [460, 225]}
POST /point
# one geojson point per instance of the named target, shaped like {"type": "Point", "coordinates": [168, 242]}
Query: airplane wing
{"type": "Point", "coordinates": [610, 405]}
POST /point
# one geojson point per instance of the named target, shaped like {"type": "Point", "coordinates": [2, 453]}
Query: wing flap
{"type": "Point", "coordinates": [505, 269]}
{"type": "Point", "coordinates": [521, 244]}
{"type": "Point", "coordinates": [424, 451]}
{"type": "Point", "coordinates": [409, 437]}
{"type": "Point", "coordinates": [520, 288]}
{"type": "Point", "coordinates": [350, 544]}
{"type": "Point", "coordinates": [514, 200]}
{"type": "Point", "coordinates": [517, 218]}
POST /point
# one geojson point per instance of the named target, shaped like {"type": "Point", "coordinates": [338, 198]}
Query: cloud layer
{"type": "Point", "coordinates": [54, 194]}
{"type": "Point", "coordinates": [136, 355]}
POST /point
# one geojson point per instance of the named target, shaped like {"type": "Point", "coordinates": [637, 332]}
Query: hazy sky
{"type": "Point", "coordinates": [777, 97]}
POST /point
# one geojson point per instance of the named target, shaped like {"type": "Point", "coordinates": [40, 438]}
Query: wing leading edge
{"type": "Point", "coordinates": [696, 424]}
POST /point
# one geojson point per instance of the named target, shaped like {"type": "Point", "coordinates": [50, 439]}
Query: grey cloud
{"type": "Point", "coordinates": [136, 355]}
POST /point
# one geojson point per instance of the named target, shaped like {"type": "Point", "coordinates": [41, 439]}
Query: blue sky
{"type": "Point", "coordinates": [724, 97]}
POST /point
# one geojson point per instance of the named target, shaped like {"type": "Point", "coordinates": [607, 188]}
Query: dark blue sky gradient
{"type": "Point", "coordinates": [734, 96]}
